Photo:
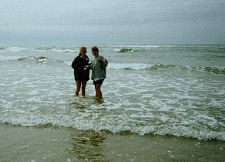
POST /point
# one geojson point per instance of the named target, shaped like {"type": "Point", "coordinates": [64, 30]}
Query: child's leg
{"type": "Point", "coordinates": [78, 83]}
{"type": "Point", "coordinates": [84, 82]}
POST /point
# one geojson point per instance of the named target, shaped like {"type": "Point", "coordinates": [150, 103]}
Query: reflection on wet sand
{"type": "Point", "coordinates": [61, 144]}
{"type": "Point", "coordinates": [88, 145]}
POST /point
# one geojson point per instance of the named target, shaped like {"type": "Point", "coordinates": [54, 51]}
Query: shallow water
{"type": "Point", "coordinates": [176, 90]}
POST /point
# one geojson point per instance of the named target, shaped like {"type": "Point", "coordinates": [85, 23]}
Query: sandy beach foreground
{"type": "Point", "coordinates": [58, 144]}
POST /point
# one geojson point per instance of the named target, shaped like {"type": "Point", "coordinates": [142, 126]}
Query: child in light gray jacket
{"type": "Point", "coordinates": [98, 67]}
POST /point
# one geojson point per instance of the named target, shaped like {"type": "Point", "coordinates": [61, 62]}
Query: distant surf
{"type": "Point", "coordinates": [40, 49]}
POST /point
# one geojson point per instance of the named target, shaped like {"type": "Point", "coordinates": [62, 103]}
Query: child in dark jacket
{"type": "Point", "coordinates": [81, 72]}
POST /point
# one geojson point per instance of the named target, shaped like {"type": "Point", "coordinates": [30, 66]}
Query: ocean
{"type": "Point", "coordinates": [176, 90]}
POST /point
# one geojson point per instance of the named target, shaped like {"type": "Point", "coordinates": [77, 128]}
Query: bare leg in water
{"type": "Point", "coordinates": [78, 83]}
{"type": "Point", "coordinates": [98, 91]}
{"type": "Point", "coordinates": [84, 82]}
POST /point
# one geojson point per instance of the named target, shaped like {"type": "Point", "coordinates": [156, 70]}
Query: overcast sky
{"type": "Point", "coordinates": [112, 21]}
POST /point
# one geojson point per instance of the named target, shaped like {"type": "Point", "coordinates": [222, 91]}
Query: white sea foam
{"type": "Point", "coordinates": [39, 49]}
{"type": "Point", "coordinates": [17, 49]}
{"type": "Point", "coordinates": [129, 112]}
{"type": "Point", "coordinates": [139, 46]}
{"type": "Point", "coordinates": [135, 66]}
{"type": "Point", "coordinates": [65, 50]}
{"type": "Point", "coordinates": [163, 99]}
{"type": "Point", "coordinates": [9, 58]}
{"type": "Point", "coordinates": [115, 124]}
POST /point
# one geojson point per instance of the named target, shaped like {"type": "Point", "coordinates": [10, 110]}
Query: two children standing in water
{"type": "Point", "coordinates": [82, 66]}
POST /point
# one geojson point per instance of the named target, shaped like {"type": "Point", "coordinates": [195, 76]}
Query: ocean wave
{"type": "Point", "coordinates": [2, 48]}
{"type": "Point", "coordinates": [159, 67]}
{"type": "Point", "coordinates": [9, 58]}
{"type": "Point", "coordinates": [216, 70]}
{"type": "Point", "coordinates": [163, 130]}
{"type": "Point", "coordinates": [149, 67]}
{"type": "Point", "coordinates": [140, 66]}
{"type": "Point", "coordinates": [64, 50]}
{"type": "Point", "coordinates": [128, 50]}
{"type": "Point", "coordinates": [16, 49]}
{"type": "Point", "coordinates": [175, 48]}
{"type": "Point", "coordinates": [55, 49]}
{"type": "Point", "coordinates": [139, 46]}
{"type": "Point", "coordinates": [40, 49]}
{"type": "Point", "coordinates": [86, 114]}
{"type": "Point", "coordinates": [124, 50]}
{"type": "Point", "coordinates": [33, 58]}
{"type": "Point", "coordinates": [128, 66]}
{"type": "Point", "coordinates": [23, 58]}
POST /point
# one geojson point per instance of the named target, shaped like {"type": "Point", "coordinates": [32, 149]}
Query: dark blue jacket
{"type": "Point", "coordinates": [78, 65]}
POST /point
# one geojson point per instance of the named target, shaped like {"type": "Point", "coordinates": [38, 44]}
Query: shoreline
{"type": "Point", "coordinates": [51, 143]}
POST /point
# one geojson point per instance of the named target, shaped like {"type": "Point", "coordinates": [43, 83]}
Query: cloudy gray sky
{"type": "Point", "coordinates": [112, 21]}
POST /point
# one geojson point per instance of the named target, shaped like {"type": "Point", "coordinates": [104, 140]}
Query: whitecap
{"type": "Point", "coordinates": [134, 66]}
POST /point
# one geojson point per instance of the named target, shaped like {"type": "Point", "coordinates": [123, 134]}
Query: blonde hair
{"type": "Point", "coordinates": [82, 49]}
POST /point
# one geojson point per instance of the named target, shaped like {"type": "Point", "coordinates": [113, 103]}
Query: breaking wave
{"type": "Point", "coordinates": [23, 58]}
{"type": "Point", "coordinates": [104, 124]}
{"type": "Point", "coordinates": [216, 70]}
{"type": "Point", "coordinates": [177, 48]}
{"type": "Point", "coordinates": [33, 58]}
{"type": "Point", "coordinates": [153, 96]}
{"type": "Point", "coordinates": [128, 50]}
{"type": "Point", "coordinates": [126, 66]}
{"type": "Point", "coordinates": [160, 67]}
{"type": "Point", "coordinates": [40, 49]}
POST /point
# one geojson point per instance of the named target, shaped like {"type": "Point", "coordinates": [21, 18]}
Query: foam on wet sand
{"type": "Point", "coordinates": [66, 144]}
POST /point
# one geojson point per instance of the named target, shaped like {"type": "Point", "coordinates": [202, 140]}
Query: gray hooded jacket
{"type": "Point", "coordinates": [98, 67]}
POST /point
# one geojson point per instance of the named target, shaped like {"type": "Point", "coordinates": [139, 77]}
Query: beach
{"type": "Point", "coordinates": [58, 144]}
{"type": "Point", "coordinates": [162, 98]}
{"type": "Point", "coordinates": [160, 103]}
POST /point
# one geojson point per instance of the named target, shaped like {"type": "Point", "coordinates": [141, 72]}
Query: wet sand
{"type": "Point", "coordinates": [58, 144]}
